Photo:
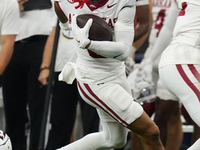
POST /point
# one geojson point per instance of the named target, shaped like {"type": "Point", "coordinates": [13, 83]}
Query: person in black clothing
{"type": "Point", "coordinates": [23, 94]}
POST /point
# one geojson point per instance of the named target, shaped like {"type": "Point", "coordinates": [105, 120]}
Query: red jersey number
{"type": "Point", "coordinates": [159, 21]}
{"type": "Point", "coordinates": [182, 12]}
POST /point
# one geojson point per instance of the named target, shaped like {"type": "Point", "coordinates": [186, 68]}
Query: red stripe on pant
{"type": "Point", "coordinates": [108, 110]}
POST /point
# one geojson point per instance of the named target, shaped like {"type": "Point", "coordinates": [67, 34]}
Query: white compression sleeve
{"type": "Point", "coordinates": [165, 35]}
{"type": "Point", "coordinates": [124, 34]}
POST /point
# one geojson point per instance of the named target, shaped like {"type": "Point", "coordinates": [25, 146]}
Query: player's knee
{"type": "Point", "coordinates": [120, 143]}
{"type": "Point", "coordinates": [153, 133]}
{"type": "Point", "coordinates": [116, 142]}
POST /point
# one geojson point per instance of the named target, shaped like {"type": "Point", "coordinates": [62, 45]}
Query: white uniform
{"type": "Point", "coordinates": [180, 62]}
{"type": "Point", "coordinates": [9, 22]}
{"type": "Point", "coordinates": [102, 81]}
{"type": "Point", "coordinates": [160, 10]}
{"type": "Point", "coordinates": [160, 37]}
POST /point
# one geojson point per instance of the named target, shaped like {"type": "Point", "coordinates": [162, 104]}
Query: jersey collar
{"type": "Point", "coordinates": [93, 6]}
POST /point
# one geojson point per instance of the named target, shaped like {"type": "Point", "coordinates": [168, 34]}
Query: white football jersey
{"type": "Point", "coordinates": [185, 46]}
{"type": "Point", "coordinates": [188, 22]}
{"type": "Point", "coordinates": [195, 2]}
{"type": "Point", "coordinates": [159, 12]}
{"type": "Point", "coordinates": [106, 9]}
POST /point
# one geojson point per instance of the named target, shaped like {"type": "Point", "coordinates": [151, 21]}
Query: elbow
{"type": "Point", "coordinates": [122, 56]}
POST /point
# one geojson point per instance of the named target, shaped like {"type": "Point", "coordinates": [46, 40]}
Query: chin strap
{"type": "Point", "coordinates": [81, 3]}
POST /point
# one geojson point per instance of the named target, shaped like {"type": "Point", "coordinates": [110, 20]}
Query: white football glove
{"type": "Point", "coordinates": [81, 34]}
{"type": "Point", "coordinates": [64, 26]}
{"type": "Point", "coordinates": [141, 82]}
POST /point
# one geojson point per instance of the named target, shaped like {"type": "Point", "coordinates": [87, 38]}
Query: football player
{"type": "Point", "coordinates": [102, 81]}
{"type": "Point", "coordinates": [180, 62]}
{"type": "Point", "coordinates": [164, 15]}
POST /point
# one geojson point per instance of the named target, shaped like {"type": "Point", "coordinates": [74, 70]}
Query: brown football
{"type": "Point", "coordinates": [99, 31]}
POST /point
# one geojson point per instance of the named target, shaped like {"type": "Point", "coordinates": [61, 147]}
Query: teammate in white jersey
{"type": "Point", "coordinates": [164, 17]}
{"type": "Point", "coordinates": [180, 62]}
{"type": "Point", "coordinates": [102, 81]}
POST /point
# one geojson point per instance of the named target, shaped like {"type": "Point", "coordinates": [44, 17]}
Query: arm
{"type": "Point", "coordinates": [142, 16]}
{"type": "Point", "coordinates": [61, 16]}
{"type": "Point", "coordinates": [141, 28]}
{"type": "Point", "coordinates": [44, 68]}
{"type": "Point", "coordinates": [7, 43]}
{"type": "Point", "coordinates": [165, 34]}
{"type": "Point", "coordinates": [124, 32]}
{"type": "Point", "coordinates": [8, 31]}
{"type": "Point", "coordinates": [162, 42]}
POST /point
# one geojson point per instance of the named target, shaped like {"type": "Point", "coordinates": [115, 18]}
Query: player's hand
{"type": "Point", "coordinates": [21, 6]}
{"type": "Point", "coordinates": [81, 34]}
{"type": "Point", "coordinates": [43, 76]}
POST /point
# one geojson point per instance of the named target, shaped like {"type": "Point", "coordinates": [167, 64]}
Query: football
{"type": "Point", "coordinates": [5, 142]}
{"type": "Point", "coordinates": [99, 31]}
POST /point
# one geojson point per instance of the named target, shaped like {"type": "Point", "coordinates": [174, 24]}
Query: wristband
{"type": "Point", "coordinates": [44, 68]}
{"type": "Point", "coordinates": [88, 45]}
{"type": "Point", "coordinates": [64, 26]}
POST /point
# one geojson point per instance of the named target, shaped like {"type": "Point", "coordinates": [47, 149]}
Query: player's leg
{"type": "Point", "coordinates": [174, 131]}
{"type": "Point", "coordinates": [89, 117]}
{"type": "Point", "coordinates": [148, 132]}
{"type": "Point", "coordinates": [136, 144]}
{"type": "Point", "coordinates": [196, 132]}
{"type": "Point", "coordinates": [195, 146]}
{"type": "Point", "coordinates": [183, 82]}
{"type": "Point", "coordinates": [167, 116]}
{"type": "Point", "coordinates": [113, 135]}
{"type": "Point", "coordinates": [163, 113]}
{"type": "Point", "coordinates": [116, 105]}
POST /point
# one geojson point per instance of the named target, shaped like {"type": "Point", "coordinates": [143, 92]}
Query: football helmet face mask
{"type": "Point", "coordinates": [5, 142]}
